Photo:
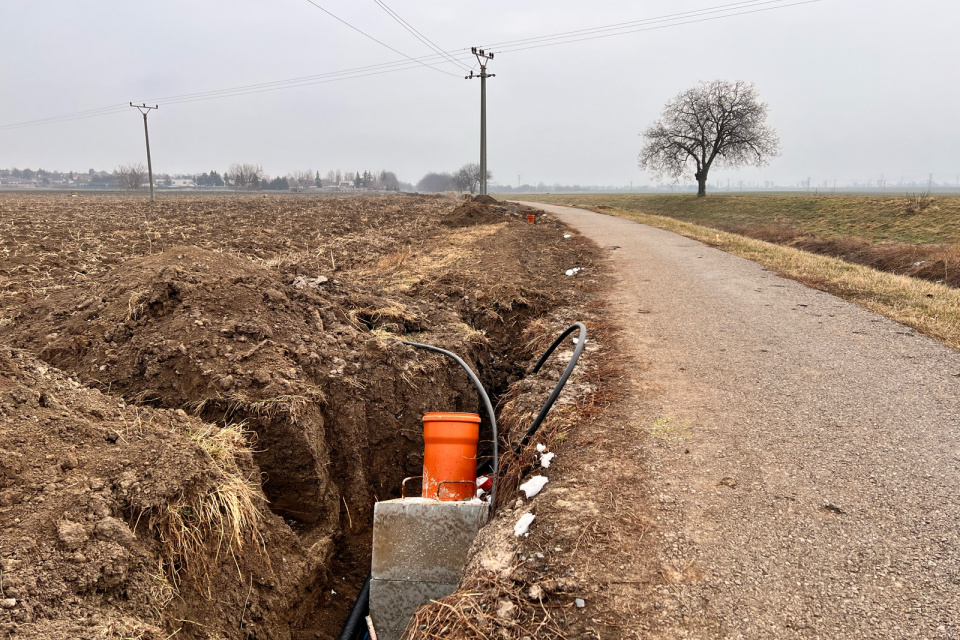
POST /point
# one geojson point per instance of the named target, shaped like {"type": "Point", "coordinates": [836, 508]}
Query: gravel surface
{"type": "Point", "coordinates": [805, 462]}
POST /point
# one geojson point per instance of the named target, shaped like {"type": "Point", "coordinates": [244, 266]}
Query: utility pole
{"type": "Point", "coordinates": [144, 109]}
{"type": "Point", "coordinates": [482, 58]}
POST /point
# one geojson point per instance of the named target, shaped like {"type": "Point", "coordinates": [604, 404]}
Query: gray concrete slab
{"type": "Point", "coordinates": [424, 540]}
{"type": "Point", "coordinates": [392, 603]}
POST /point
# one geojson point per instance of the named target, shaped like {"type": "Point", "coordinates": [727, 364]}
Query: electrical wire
{"type": "Point", "coordinates": [419, 36]}
{"type": "Point", "coordinates": [78, 115]}
{"type": "Point", "coordinates": [510, 49]}
{"type": "Point", "coordinates": [549, 40]}
{"type": "Point", "coordinates": [331, 76]}
{"type": "Point", "coordinates": [632, 23]}
{"type": "Point", "coordinates": [380, 42]}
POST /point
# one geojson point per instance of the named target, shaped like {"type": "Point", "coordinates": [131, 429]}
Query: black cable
{"type": "Point", "coordinates": [655, 28]}
{"type": "Point", "coordinates": [380, 42]}
{"type": "Point", "coordinates": [633, 23]}
{"type": "Point", "coordinates": [403, 65]}
{"type": "Point", "coordinates": [487, 405]}
{"type": "Point", "coordinates": [581, 343]}
{"type": "Point", "coordinates": [419, 36]}
{"type": "Point", "coordinates": [355, 626]}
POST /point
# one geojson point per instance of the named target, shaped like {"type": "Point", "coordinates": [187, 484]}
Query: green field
{"type": "Point", "coordinates": [878, 219]}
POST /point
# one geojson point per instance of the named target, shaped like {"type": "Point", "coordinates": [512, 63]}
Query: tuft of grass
{"type": "Point", "coordinates": [228, 514]}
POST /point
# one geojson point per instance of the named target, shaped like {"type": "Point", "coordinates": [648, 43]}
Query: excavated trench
{"type": "Point", "coordinates": [331, 401]}
{"type": "Point", "coordinates": [311, 369]}
{"type": "Point", "coordinates": [498, 362]}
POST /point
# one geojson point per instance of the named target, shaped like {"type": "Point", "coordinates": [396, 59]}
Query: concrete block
{"type": "Point", "coordinates": [392, 603]}
{"type": "Point", "coordinates": [424, 540]}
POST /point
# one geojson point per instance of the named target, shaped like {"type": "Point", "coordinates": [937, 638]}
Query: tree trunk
{"type": "Point", "coordinates": [701, 184]}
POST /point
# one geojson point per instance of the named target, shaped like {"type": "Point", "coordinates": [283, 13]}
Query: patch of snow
{"type": "Point", "coordinates": [546, 460]}
{"type": "Point", "coordinates": [523, 525]}
{"type": "Point", "coordinates": [533, 486]}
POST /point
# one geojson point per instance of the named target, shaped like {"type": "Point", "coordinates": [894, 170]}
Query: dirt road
{"type": "Point", "coordinates": [803, 454]}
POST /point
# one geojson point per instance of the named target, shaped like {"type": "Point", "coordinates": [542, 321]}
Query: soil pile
{"type": "Point", "coordinates": [478, 210]}
{"type": "Point", "coordinates": [235, 342]}
{"type": "Point", "coordinates": [147, 512]}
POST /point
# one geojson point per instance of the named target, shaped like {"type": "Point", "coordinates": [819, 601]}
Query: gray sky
{"type": "Point", "coordinates": [857, 89]}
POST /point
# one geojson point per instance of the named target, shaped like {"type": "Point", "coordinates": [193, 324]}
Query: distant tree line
{"type": "Point", "coordinates": [466, 178]}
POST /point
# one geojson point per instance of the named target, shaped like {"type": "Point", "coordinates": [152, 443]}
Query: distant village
{"type": "Point", "coordinates": [237, 177]}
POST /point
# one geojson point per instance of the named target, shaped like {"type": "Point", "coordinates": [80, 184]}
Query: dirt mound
{"type": "Point", "coordinates": [234, 342]}
{"type": "Point", "coordinates": [478, 210]}
{"type": "Point", "coordinates": [117, 520]}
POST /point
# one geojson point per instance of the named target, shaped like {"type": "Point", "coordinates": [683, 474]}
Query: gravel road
{"type": "Point", "coordinates": [805, 470]}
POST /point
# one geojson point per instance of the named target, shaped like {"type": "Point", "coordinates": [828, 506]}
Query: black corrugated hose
{"type": "Point", "coordinates": [355, 627]}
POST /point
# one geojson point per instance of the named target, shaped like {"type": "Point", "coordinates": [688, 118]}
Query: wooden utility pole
{"type": "Point", "coordinates": [482, 58]}
{"type": "Point", "coordinates": [144, 109]}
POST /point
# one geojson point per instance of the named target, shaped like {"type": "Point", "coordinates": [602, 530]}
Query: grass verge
{"type": "Point", "coordinates": [930, 308]}
{"type": "Point", "coordinates": [915, 219]}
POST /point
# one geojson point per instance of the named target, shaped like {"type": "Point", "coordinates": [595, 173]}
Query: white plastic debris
{"type": "Point", "coordinates": [523, 524]}
{"type": "Point", "coordinates": [533, 486]}
{"type": "Point", "coordinates": [570, 272]}
{"type": "Point", "coordinates": [541, 448]}
{"type": "Point", "coordinates": [546, 459]}
{"type": "Point", "coordinates": [567, 235]}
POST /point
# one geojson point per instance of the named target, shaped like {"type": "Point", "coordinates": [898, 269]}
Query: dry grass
{"type": "Point", "coordinates": [472, 612]}
{"type": "Point", "coordinates": [228, 515]}
{"type": "Point", "coordinates": [916, 219]}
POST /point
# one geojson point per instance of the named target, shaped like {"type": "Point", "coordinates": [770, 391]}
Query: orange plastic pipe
{"type": "Point", "coordinates": [450, 455]}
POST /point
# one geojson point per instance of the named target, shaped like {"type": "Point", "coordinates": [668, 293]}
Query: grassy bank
{"type": "Point", "coordinates": [930, 308]}
{"type": "Point", "coordinates": [878, 219]}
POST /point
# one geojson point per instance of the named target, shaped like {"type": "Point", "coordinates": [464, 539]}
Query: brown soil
{"type": "Point", "coordinates": [277, 316]}
{"type": "Point", "coordinates": [484, 210]}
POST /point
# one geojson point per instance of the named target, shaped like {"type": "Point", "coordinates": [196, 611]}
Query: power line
{"type": "Point", "coordinates": [510, 49]}
{"type": "Point", "coordinates": [603, 31]}
{"type": "Point", "coordinates": [78, 115]}
{"type": "Point", "coordinates": [624, 25]}
{"type": "Point", "coordinates": [380, 42]}
{"type": "Point", "coordinates": [276, 85]}
{"type": "Point", "coordinates": [419, 36]}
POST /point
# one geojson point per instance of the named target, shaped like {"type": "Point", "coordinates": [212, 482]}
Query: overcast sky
{"type": "Point", "coordinates": [857, 88]}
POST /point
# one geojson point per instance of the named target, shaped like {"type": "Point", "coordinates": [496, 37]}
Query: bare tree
{"type": "Point", "coordinates": [436, 182]}
{"type": "Point", "coordinates": [244, 176]}
{"type": "Point", "coordinates": [131, 177]}
{"type": "Point", "coordinates": [301, 180]}
{"type": "Point", "coordinates": [715, 122]}
{"type": "Point", "coordinates": [387, 181]}
{"type": "Point", "coordinates": [468, 177]}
